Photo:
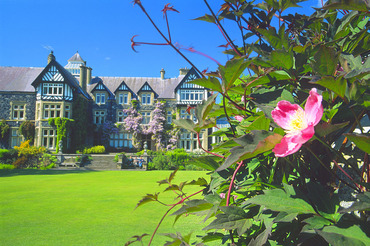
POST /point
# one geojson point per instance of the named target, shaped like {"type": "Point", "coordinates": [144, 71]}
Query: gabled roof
{"type": "Point", "coordinates": [146, 87]}
{"type": "Point", "coordinates": [164, 88]}
{"type": "Point", "coordinates": [102, 87]}
{"type": "Point", "coordinates": [18, 78]}
{"type": "Point", "coordinates": [64, 75]}
{"type": "Point", "coordinates": [191, 75]}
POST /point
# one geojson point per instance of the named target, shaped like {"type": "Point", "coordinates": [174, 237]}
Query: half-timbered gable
{"type": "Point", "coordinates": [188, 93]}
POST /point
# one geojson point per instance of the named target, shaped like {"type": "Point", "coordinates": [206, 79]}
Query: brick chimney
{"type": "Point", "coordinates": [162, 73]}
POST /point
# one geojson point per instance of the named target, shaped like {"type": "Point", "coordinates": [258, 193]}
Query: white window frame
{"type": "Point", "coordinates": [99, 116]}
{"type": "Point", "coordinates": [16, 137]}
{"type": "Point", "coordinates": [192, 95]}
{"type": "Point", "coordinates": [100, 98]}
{"type": "Point", "coordinates": [18, 111]}
{"type": "Point", "coordinates": [52, 89]}
{"type": "Point", "coordinates": [51, 110]}
{"type": "Point", "coordinates": [146, 117]}
{"type": "Point", "coordinates": [146, 98]}
{"type": "Point", "coordinates": [49, 138]}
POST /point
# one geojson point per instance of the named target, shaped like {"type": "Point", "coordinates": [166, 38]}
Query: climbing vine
{"type": "Point", "coordinates": [63, 126]}
{"type": "Point", "coordinates": [157, 125]}
{"type": "Point", "coordinates": [132, 124]}
{"type": "Point", "coordinates": [4, 129]}
{"type": "Point", "coordinates": [27, 129]}
{"type": "Point", "coordinates": [82, 124]}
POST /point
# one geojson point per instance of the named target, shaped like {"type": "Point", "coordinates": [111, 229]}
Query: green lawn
{"type": "Point", "coordinates": [84, 207]}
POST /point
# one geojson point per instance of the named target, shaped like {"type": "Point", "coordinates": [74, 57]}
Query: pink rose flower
{"type": "Point", "coordinates": [298, 123]}
{"type": "Point", "coordinates": [239, 118]}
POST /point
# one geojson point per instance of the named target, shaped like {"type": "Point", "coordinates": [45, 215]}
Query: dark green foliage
{"type": "Point", "coordinates": [169, 160]}
{"type": "Point", "coordinates": [8, 156]}
{"type": "Point", "coordinates": [27, 129]}
{"type": "Point", "coordinates": [4, 129]}
{"type": "Point", "coordinates": [82, 122]}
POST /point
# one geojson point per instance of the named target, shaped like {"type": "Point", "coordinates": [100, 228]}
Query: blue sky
{"type": "Point", "coordinates": [101, 32]}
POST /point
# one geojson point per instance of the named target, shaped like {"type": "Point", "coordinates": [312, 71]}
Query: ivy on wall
{"type": "Point", "coordinates": [82, 124]}
{"type": "Point", "coordinates": [63, 126]}
{"type": "Point", "coordinates": [4, 129]}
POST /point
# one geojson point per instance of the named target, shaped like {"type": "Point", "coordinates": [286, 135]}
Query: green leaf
{"type": "Point", "coordinates": [272, 199]}
{"type": "Point", "coordinates": [260, 123]}
{"type": "Point", "coordinates": [232, 218]}
{"type": "Point", "coordinates": [232, 71]}
{"type": "Point", "coordinates": [363, 203]}
{"type": "Point", "coordinates": [359, 5]}
{"type": "Point", "coordinates": [210, 83]}
{"type": "Point", "coordinates": [362, 142]}
{"type": "Point", "coordinates": [315, 222]}
{"type": "Point", "coordinates": [338, 86]}
{"type": "Point", "coordinates": [273, 76]}
{"type": "Point", "coordinates": [285, 217]}
{"type": "Point", "coordinates": [280, 58]}
{"type": "Point", "coordinates": [206, 162]}
{"type": "Point", "coordinates": [207, 18]}
{"type": "Point", "coordinates": [324, 129]}
{"type": "Point", "coordinates": [325, 61]}
{"type": "Point", "coordinates": [344, 236]}
{"type": "Point", "coordinates": [147, 198]}
{"type": "Point", "coordinates": [186, 124]}
{"type": "Point", "coordinates": [210, 237]}
{"type": "Point", "coordinates": [252, 144]}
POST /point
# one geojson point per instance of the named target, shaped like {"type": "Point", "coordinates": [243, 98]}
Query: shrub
{"type": "Point", "coordinates": [99, 149]}
{"type": "Point", "coordinates": [8, 156]}
{"type": "Point", "coordinates": [21, 162]}
{"type": "Point", "coordinates": [3, 152]}
{"type": "Point", "coordinates": [27, 129]}
{"type": "Point", "coordinates": [47, 161]}
{"type": "Point", "coordinates": [6, 166]}
{"type": "Point", "coordinates": [25, 149]}
{"type": "Point", "coordinates": [29, 155]}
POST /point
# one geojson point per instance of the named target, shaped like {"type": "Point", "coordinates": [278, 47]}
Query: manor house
{"type": "Point", "coordinates": [37, 94]}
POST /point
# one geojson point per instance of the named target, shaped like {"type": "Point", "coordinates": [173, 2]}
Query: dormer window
{"type": "Point", "coordinates": [53, 89]}
{"type": "Point", "coordinates": [146, 98]}
{"type": "Point", "coordinates": [123, 98]}
{"type": "Point", "coordinates": [191, 95]}
{"type": "Point", "coordinates": [100, 98]}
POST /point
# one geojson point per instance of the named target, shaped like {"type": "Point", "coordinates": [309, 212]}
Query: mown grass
{"type": "Point", "coordinates": [55, 207]}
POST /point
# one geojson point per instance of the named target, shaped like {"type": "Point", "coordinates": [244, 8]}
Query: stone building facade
{"type": "Point", "coordinates": [38, 94]}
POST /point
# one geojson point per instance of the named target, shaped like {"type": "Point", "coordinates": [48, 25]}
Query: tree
{"type": "Point", "coordinates": [285, 163]}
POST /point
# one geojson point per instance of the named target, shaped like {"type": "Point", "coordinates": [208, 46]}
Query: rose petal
{"type": "Point", "coordinates": [303, 136]}
{"type": "Point", "coordinates": [286, 147]}
{"type": "Point", "coordinates": [283, 113]}
{"type": "Point", "coordinates": [313, 108]}
{"type": "Point", "coordinates": [239, 118]}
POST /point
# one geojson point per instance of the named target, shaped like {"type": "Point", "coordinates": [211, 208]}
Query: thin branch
{"type": "Point", "coordinates": [174, 205]}
{"type": "Point", "coordinates": [168, 41]}
{"type": "Point", "coordinates": [207, 151]}
{"type": "Point", "coordinates": [224, 33]}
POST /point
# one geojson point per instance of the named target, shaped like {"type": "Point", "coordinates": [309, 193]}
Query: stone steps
{"type": "Point", "coordinates": [102, 162]}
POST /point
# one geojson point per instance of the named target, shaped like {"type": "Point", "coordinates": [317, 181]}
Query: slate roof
{"type": "Point", "coordinates": [18, 78]}
{"type": "Point", "coordinates": [76, 57]}
{"type": "Point", "coordinates": [164, 88]}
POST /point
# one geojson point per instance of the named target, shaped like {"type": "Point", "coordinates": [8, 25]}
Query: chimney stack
{"type": "Point", "coordinates": [51, 57]}
{"type": "Point", "coordinates": [184, 71]}
{"type": "Point", "coordinates": [88, 75]}
{"type": "Point", "coordinates": [83, 72]}
{"type": "Point", "coordinates": [162, 73]}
